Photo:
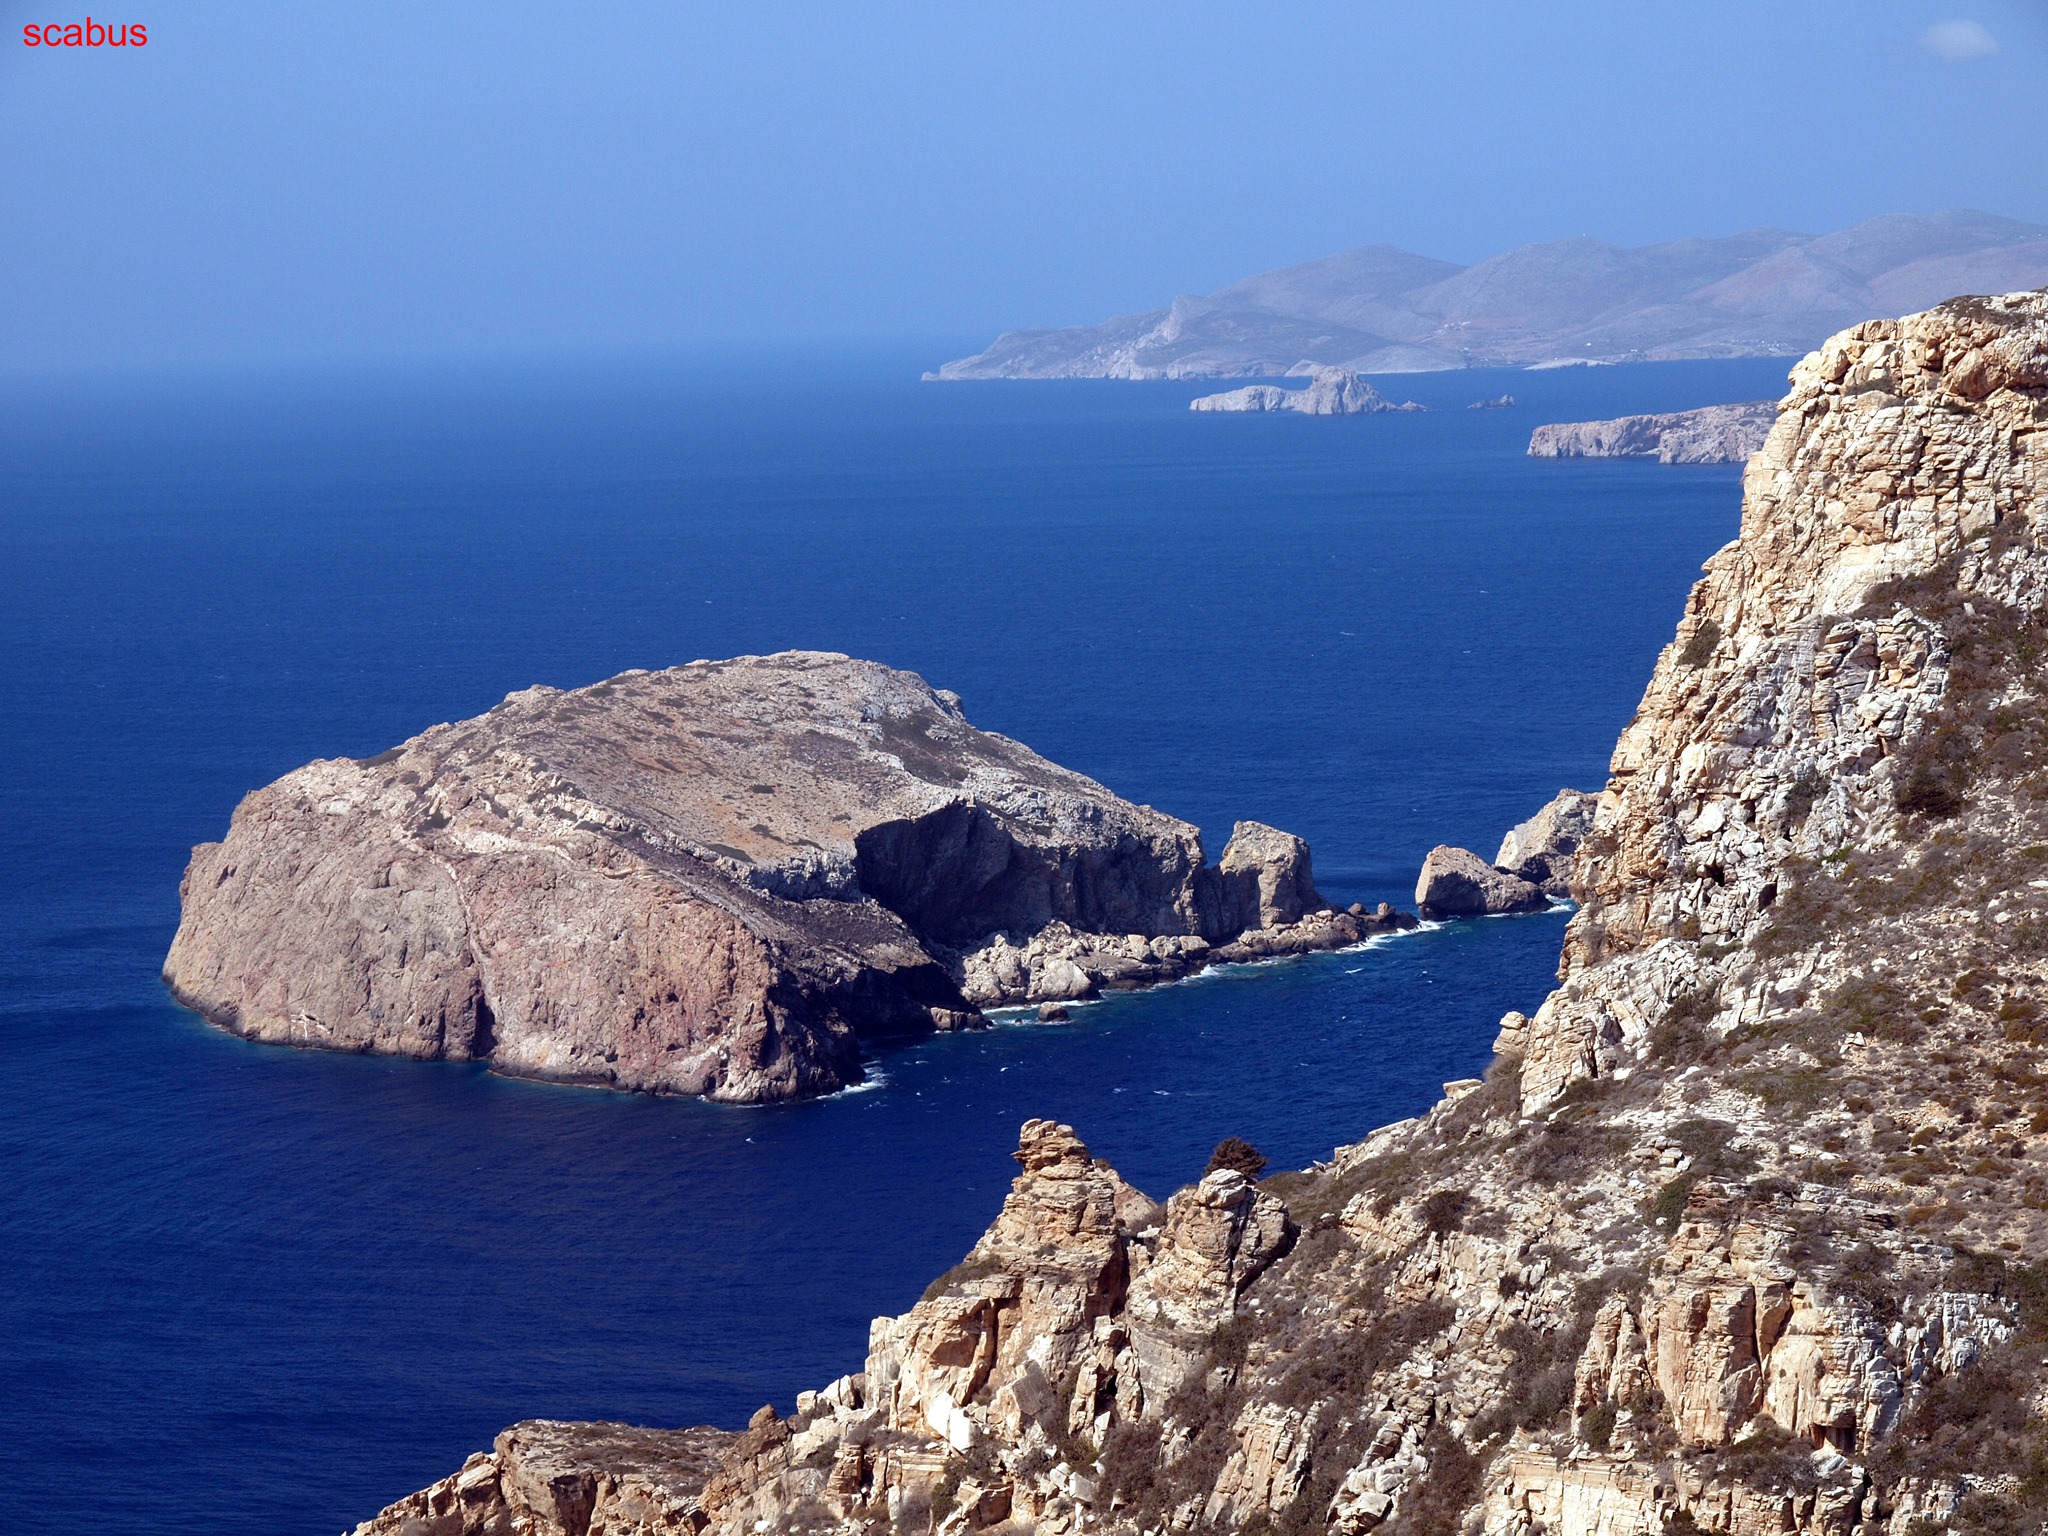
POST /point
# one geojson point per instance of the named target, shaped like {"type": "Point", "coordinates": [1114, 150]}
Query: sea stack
{"type": "Point", "coordinates": [717, 879]}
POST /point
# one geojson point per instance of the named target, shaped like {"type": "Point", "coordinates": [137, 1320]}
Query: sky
{"type": "Point", "coordinates": [274, 181]}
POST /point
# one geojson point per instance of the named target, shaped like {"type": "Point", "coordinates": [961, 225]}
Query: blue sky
{"type": "Point", "coordinates": [272, 180]}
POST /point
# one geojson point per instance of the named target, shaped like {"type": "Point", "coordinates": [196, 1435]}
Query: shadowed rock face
{"type": "Point", "coordinates": [710, 880]}
{"type": "Point", "coordinates": [1540, 849]}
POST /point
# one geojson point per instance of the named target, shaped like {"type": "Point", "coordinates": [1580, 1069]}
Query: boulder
{"type": "Point", "coordinates": [1540, 849]}
{"type": "Point", "coordinates": [1455, 882]}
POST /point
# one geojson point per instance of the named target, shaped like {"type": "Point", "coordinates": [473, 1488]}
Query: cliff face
{"type": "Point", "coordinates": [1745, 1229]}
{"type": "Point", "coordinates": [711, 880]}
{"type": "Point", "coordinates": [1713, 434]}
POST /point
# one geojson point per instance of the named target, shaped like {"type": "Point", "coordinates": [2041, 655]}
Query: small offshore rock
{"type": "Point", "coordinates": [1497, 403]}
{"type": "Point", "coordinates": [1331, 392]}
{"type": "Point", "coordinates": [1052, 1013]}
{"type": "Point", "coordinates": [1456, 882]}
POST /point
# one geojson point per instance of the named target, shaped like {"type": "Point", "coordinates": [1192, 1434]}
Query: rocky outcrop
{"type": "Point", "coordinates": [590, 1479]}
{"type": "Point", "coordinates": [1497, 403]}
{"type": "Point", "coordinates": [1331, 392]}
{"type": "Point", "coordinates": [1456, 882]}
{"type": "Point", "coordinates": [1714, 434]}
{"type": "Point", "coordinates": [1746, 1228]}
{"type": "Point", "coordinates": [1540, 850]}
{"type": "Point", "coordinates": [719, 879]}
{"type": "Point", "coordinates": [1265, 879]}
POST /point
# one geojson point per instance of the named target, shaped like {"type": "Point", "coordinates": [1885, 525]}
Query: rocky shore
{"type": "Point", "coordinates": [1713, 434]}
{"type": "Point", "coordinates": [1746, 1228]}
{"type": "Point", "coordinates": [719, 879]}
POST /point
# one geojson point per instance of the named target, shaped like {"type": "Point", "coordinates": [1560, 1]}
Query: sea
{"type": "Point", "coordinates": [252, 1291]}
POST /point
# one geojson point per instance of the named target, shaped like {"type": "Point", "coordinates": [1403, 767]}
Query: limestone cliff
{"type": "Point", "coordinates": [1746, 1230]}
{"type": "Point", "coordinates": [1713, 434]}
{"type": "Point", "coordinates": [716, 879]}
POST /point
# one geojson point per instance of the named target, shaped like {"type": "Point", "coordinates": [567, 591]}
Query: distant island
{"type": "Point", "coordinates": [1332, 392]}
{"type": "Point", "coordinates": [1379, 309]}
{"type": "Point", "coordinates": [1713, 434]}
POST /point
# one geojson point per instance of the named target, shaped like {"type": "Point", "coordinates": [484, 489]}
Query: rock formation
{"type": "Point", "coordinates": [1713, 434]}
{"type": "Point", "coordinates": [1746, 1229]}
{"type": "Point", "coordinates": [714, 880]}
{"type": "Point", "coordinates": [1540, 850]}
{"type": "Point", "coordinates": [1331, 392]}
{"type": "Point", "coordinates": [1497, 403]}
{"type": "Point", "coordinates": [1455, 882]}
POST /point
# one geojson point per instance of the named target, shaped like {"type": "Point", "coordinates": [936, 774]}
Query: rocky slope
{"type": "Point", "coordinates": [1331, 392]}
{"type": "Point", "coordinates": [1746, 1229]}
{"type": "Point", "coordinates": [712, 880]}
{"type": "Point", "coordinates": [1376, 309]}
{"type": "Point", "coordinates": [1713, 434]}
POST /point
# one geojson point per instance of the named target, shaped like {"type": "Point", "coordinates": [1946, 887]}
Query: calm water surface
{"type": "Point", "coordinates": [246, 1291]}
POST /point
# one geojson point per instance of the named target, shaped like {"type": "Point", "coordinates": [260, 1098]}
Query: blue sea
{"type": "Point", "coordinates": [248, 1291]}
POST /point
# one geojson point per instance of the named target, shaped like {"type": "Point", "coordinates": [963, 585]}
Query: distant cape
{"type": "Point", "coordinates": [1379, 309]}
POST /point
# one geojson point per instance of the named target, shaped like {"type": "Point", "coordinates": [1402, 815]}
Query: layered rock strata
{"type": "Point", "coordinates": [1745, 1231]}
{"type": "Point", "coordinates": [1714, 434]}
{"type": "Point", "coordinates": [718, 879]}
{"type": "Point", "coordinates": [1330, 392]}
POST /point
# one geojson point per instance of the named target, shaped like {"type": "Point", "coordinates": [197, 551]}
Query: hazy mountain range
{"type": "Point", "coordinates": [1379, 309]}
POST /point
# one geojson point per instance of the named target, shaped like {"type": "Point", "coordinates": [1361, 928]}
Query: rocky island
{"type": "Point", "coordinates": [1713, 434]}
{"type": "Point", "coordinates": [715, 879]}
{"type": "Point", "coordinates": [718, 879]}
{"type": "Point", "coordinates": [1330, 392]}
{"type": "Point", "coordinates": [1746, 1228]}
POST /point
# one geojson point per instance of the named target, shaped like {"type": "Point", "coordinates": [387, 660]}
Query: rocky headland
{"type": "Point", "coordinates": [1713, 434]}
{"type": "Point", "coordinates": [1746, 1228]}
{"type": "Point", "coordinates": [1330, 392]}
{"type": "Point", "coordinates": [717, 879]}
{"type": "Point", "coordinates": [1378, 309]}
